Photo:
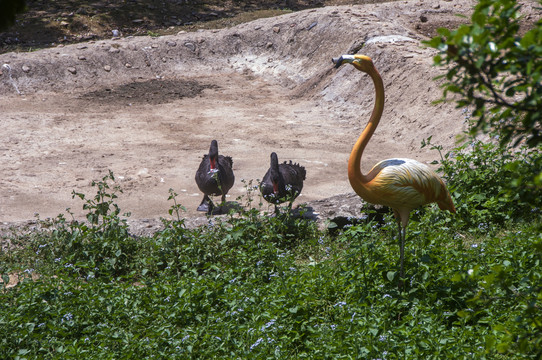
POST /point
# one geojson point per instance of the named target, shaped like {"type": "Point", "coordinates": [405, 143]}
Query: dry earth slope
{"type": "Point", "coordinates": [147, 108]}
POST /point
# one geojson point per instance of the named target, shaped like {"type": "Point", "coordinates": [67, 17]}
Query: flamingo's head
{"type": "Point", "coordinates": [360, 62]}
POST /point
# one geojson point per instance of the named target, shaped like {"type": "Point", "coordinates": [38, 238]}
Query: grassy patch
{"type": "Point", "coordinates": [254, 286]}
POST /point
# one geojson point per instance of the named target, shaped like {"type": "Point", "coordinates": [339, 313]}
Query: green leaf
{"type": "Point", "coordinates": [391, 275]}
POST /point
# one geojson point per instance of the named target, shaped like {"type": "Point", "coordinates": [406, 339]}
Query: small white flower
{"type": "Point", "coordinates": [268, 325]}
{"type": "Point", "coordinates": [272, 275]}
{"type": "Point", "coordinates": [256, 343]}
{"type": "Point", "coordinates": [67, 317]}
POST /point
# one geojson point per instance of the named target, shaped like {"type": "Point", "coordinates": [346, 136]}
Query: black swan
{"type": "Point", "coordinates": [282, 182]}
{"type": "Point", "coordinates": [214, 177]}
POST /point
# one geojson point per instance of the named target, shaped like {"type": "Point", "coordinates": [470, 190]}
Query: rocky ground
{"type": "Point", "coordinates": [147, 107]}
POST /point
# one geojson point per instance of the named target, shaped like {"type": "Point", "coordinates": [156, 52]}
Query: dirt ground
{"type": "Point", "coordinates": [147, 108]}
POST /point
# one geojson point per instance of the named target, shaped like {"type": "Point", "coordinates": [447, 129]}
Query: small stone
{"type": "Point", "coordinates": [114, 50]}
{"type": "Point", "coordinates": [81, 57]}
{"type": "Point", "coordinates": [137, 21]}
{"type": "Point", "coordinates": [269, 45]}
{"type": "Point", "coordinates": [116, 33]}
{"type": "Point", "coordinates": [171, 43]}
{"type": "Point", "coordinates": [423, 18]}
{"type": "Point", "coordinates": [64, 23]}
{"type": "Point", "coordinates": [107, 68]}
{"type": "Point", "coordinates": [128, 65]}
{"type": "Point", "coordinates": [190, 46]}
{"type": "Point", "coordinates": [72, 70]}
{"type": "Point", "coordinates": [26, 68]}
{"type": "Point", "coordinates": [276, 29]}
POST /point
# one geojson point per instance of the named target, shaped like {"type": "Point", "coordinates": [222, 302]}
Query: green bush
{"type": "Point", "coordinates": [495, 69]}
{"type": "Point", "coordinates": [100, 247]}
{"type": "Point", "coordinates": [491, 184]}
{"type": "Point", "coordinates": [250, 285]}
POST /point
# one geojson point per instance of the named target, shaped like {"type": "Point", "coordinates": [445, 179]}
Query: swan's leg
{"type": "Point", "coordinates": [205, 204]}
{"type": "Point", "coordinates": [219, 209]}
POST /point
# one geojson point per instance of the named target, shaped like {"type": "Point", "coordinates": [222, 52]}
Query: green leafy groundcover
{"type": "Point", "coordinates": [254, 286]}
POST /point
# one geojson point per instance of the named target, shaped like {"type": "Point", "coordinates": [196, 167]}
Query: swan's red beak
{"type": "Point", "coordinates": [212, 162]}
{"type": "Point", "coordinates": [275, 188]}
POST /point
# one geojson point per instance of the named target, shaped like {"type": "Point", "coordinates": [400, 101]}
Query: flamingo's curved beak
{"type": "Point", "coordinates": [343, 59]}
{"type": "Point", "coordinates": [337, 61]}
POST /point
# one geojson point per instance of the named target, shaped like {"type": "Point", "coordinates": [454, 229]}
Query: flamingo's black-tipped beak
{"type": "Point", "coordinates": [337, 61]}
{"type": "Point", "coordinates": [344, 59]}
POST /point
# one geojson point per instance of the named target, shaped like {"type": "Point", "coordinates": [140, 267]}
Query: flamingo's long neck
{"type": "Point", "coordinates": [357, 179]}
